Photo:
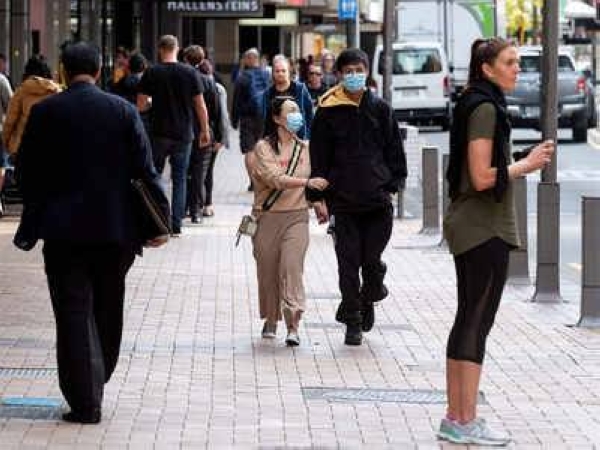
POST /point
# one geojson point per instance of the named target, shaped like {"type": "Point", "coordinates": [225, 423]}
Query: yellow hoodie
{"type": "Point", "coordinates": [32, 90]}
{"type": "Point", "coordinates": [337, 96]}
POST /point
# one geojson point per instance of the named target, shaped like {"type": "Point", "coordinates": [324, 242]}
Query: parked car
{"type": "Point", "coordinates": [576, 100]}
{"type": "Point", "coordinates": [420, 82]}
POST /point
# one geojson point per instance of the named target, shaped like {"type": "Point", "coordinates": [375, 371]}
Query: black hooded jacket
{"type": "Point", "coordinates": [358, 149]}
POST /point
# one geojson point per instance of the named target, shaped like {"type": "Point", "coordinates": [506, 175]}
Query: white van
{"type": "Point", "coordinates": [421, 83]}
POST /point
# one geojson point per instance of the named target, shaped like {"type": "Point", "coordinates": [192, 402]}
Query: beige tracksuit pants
{"type": "Point", "coordinates": [280, 245]}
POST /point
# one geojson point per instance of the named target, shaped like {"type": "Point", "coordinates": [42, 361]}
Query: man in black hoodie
{"type": "Point", "coordinates": [355, 144]}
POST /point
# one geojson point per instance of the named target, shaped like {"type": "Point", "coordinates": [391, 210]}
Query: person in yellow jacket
{"type": "Point", "coordinates": [37, 85]}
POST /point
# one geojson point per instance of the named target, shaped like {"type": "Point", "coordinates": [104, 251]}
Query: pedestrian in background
{"type": "Point", "coordinates": [283, 86]}
{"type": "Point", "coordinates": [480, 227]}
{"type": "Point", "coordinates": [315, 85]}
{"type": "Point", "coordinates": [202, 159]}
{"type": "Point", "coordinates": [221, 125]}
{"type": "Point", "coordinates": [37, 85]}
{"type": "Point", "coordinates": [355, 145]}
{"type": "Point", "coordinates": [328, 64]}
{"type": "Point", "coordinates": [127, 86]}
{"type": "Point", "coordinates": [85, 214]}
{"type": "Point", "coordinates": [4, 70]}
{"type": "Point", "coordinates": [280, 169]}
{"type": "Point", "coordinates": [177, 104]}
{"type": "Point", "coordinates": [247, 106]}
{"type": "Point", "coordinates": [6, 93]}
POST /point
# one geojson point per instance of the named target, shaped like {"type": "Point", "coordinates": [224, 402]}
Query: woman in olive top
{"type": "Point", "coordinates": [480, 227]}
{"type": "Point", "coordinates": [280, 170]}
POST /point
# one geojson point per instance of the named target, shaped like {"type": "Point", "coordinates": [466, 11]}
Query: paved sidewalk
{"type": "Point", "coordinates": [194, 372]}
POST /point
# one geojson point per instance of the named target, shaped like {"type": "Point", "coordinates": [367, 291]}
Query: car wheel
{"type": "Point", "coordinates": [593, 116]}
{"type": "Point", "coordinates": [580, 134]}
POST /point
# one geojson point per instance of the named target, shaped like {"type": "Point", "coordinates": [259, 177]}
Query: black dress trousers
{"type": "Point", "coordinates": [360, 239]}
{"type": "Point", "coordinates": [87, 288]}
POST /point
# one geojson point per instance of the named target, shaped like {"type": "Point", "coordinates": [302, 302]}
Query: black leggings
{"type": "Point", "coordinates": [480, 278]}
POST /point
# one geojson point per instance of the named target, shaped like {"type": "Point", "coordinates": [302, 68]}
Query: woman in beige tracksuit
{"type": "Point", "coordinates": [280, 162]}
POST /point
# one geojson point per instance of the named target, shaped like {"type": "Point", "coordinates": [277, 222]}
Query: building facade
{"type": "Point", "coordinates": [224, 27]}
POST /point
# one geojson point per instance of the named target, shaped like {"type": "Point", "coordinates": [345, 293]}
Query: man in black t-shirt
{"type": "Point", "coordinates": [175, 90]}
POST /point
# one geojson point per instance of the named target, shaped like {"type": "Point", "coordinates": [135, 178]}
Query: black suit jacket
{"type": "Point", "coordinates": [80, 150]}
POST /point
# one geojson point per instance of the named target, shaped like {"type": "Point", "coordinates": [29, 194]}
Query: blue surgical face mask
{"type": "Point", "coordinates": [354, 82]}
{"type": "Point", "coordinates": [294, 121]}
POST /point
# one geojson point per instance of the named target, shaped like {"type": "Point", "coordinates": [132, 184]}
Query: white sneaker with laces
{"type": "Point", "coordinates": [478, 432]}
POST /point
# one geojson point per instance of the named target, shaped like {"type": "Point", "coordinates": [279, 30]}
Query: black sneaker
{"type": "Point", "coordinates": [353, 335]}
{"type": "Point", "coordinates": [86, 417]}
{"type": "Point", "coordinates": [368, 316]}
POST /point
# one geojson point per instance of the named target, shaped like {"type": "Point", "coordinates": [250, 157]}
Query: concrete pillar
{"type": "Point", "coordinates": [518, 265]}
{"type": "Point", "coordinates": [590, 259]}
{"type": "Point", "coordinates": [431, 190]}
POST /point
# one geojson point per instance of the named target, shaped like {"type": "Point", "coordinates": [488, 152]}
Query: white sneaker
{"type": "Point", "coordinates": [478, 432]}
{"type": "Point", "coordinates": [292, 340]}
{"type": "Point", "coordinates": [269, 330]}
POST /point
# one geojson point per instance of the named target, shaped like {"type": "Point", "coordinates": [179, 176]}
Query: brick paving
{"type": "Point", "coordinates": [195, 374]}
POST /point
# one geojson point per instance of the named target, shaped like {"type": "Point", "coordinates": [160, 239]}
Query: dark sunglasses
{"type": "Point", "coordinates": [319, 74]}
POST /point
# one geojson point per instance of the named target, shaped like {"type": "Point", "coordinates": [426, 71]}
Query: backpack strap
{"type": "Point", "coordinates": [294, 161]}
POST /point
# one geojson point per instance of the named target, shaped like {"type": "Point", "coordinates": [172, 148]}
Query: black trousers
{"type": "Point", "coordinates": [202, 163]}
{"type": "Point", "coordinates": [480, 279]}
{"type": "Point", "coordinates": [87, 287]}
{"type": "Point", "coordinates": [360, 239]}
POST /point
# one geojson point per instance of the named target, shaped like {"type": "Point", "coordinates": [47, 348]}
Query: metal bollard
{"type": "Point", "coordinates": [518, 264]}
{"type": "Point", "coordinates": [401, 184]}
{"type": "Point", "coordinates": [445, 192]}
{"type": "Point", "coordinates": [431, 190]}
{"type": "Point", "coordinates": [590, 262]}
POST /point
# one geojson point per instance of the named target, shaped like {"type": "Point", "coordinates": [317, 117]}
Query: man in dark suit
{"type": "Point", "coordinates": [80, 150]}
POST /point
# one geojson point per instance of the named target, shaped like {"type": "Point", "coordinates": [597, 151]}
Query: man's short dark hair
{"type": "Point", "coordinates": [80, 58]}
{"type": "Point", "coordinates": [351, 56]}
{"type": "Point", "coordinates": [137, 63]}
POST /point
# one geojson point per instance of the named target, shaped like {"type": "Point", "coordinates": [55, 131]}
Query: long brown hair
{"type": "Point", "coordinates": [484, 51]}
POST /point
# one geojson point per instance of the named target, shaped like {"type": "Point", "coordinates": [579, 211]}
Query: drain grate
{"type": "Point", "coordinates": [416, 396]}
{"type": "Point", "coordinates": [19, 372]}
{"type": "Point", "coordinates": [30, 408]}
{"type": "Point", "coordinates": [336, 325]}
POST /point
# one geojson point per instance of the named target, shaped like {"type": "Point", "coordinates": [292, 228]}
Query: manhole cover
{"type": "Point", "coordinates": [418, 396]}
{"type": "Point", "coordinates": [30, 408]}
{"type": "Point", "coordinates": [17, 372]}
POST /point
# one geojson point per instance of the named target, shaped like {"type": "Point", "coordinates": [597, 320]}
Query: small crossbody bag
{"type": "Point", "coordinates": [249, 223]}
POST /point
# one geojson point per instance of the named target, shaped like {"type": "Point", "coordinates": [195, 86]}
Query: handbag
{"type": "Point", "coordinates": [27, 233]}
{"type": "Point", "coordinates": [152, 220]}
{"type": "Point", "coordinates": [249, 224]}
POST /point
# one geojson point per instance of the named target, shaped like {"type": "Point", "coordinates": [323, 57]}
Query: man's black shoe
{"type": "Point", "coordinates": [340, 314]}
{"type": "Point", "coordinates": [353, 335]}
{"type": "Point", "coordinates": [87, 417]}
{"type": "Point", "coordinates": [368, 317]}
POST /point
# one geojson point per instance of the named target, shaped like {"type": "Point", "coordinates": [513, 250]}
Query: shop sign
{"type": "Point", "coordinates": [231, 8]}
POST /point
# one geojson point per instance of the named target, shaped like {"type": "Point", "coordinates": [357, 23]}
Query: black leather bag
{"type": "Point", "coordinates": [151, 217]}
{"type": "Point", "coordinates": [27, 233]}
